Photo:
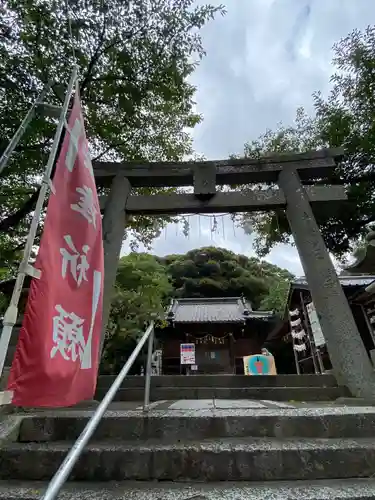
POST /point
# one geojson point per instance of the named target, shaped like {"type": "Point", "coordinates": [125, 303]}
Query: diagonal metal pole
{"type": "Point", "coordinates": [25, 268]}
{"type": "Point", "coordinates": [62, 474]}
{"type": "Point", "coordinates": [148, 371]}
{"type": "Point", "coordinates": [21, 129]}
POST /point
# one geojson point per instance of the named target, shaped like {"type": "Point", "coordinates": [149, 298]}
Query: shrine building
{"type": "Point", "coordinates": [301, 329]}
{"type": "Point", "coordinates": [224, 330]}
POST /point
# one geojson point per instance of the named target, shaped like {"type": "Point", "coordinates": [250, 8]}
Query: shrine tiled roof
{"type": "Point", "coordinates": [213, 310]}
{"type": "Point", "coordinates": [345, 280]}
{"type": "Point", "coordinates": [352, 285]}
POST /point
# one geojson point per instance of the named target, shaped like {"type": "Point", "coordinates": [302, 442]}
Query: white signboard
{"type": "Point", "coordinates": [187, 354]}
{"type": "Point", "coordinates": [315, 325]}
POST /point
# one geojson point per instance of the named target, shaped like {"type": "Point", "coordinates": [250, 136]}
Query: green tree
{"type": "Point", "coordinates": [216, 272]}
{"type": "Point", "coordinates": [145, 284]}
{"type": "Point", "coordinates": [271, 228]}
{"type": "Point", "coordinates": [346, 118]}
{"type": "Point", "coordinates": [134, 59]}
{"type": "Point", "coordinates": [141, 293]}
{"type": "Point", "coordinates": [277, 296]}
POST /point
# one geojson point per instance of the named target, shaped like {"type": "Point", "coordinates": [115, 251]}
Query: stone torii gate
{"type": "Point", "coordinates": [351, 364]}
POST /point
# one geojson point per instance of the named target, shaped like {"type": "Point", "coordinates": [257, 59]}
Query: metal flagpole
{"type": "Point", "coordinates": [21, 129]}
{"type": "Point", "coordinates": [148, 371]}
{"type": "Point", "coordinates": [25, 268]}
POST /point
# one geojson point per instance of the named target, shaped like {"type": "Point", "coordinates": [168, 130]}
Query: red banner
{"type": "Point", "coordinates": [56, 359]}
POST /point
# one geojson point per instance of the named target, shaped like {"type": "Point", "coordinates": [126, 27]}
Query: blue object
{"type": "Point", "coordinates": [258, 365]}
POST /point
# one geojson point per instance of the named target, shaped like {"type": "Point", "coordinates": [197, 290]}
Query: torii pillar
{"type": "Point", "coordinates": [350, 361]}
{"type": "Point", "coordinates": [114, 222]}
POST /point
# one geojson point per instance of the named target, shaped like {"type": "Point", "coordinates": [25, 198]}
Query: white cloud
{"type": "Point", "coordinates": [264, 59]}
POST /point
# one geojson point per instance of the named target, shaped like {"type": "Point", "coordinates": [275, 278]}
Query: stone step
{"type": "Point", "coordinates": [225, 381]}
{"type": "Point", "coordinates": [235, 459]}
{"type": "Point", "coordinates": [195, 425]}
{"type": "Point", "coordinates": [349, 489]}
{"type": "Point", "coordinates": [268, 393]}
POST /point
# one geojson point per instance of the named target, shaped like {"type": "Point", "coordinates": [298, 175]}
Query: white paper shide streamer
{"type": "Point", "coordinates": [297, 331]}
{"type": "Point", "coordinates": [299, 335]}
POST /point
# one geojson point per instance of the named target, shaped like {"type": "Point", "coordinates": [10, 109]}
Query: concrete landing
{"type": "Point", "coordinates": [191, 406]}
{"type": "Point", "coordinates": [361, 489]}
{"type": "Point", "coordinates": [277, 387]}
{"type": "Point", "coordinates": [240, 404]}
{"type": "Point", "coordinates": [227, 404]}
{"type": "Point", "coordinates": [219, 404]}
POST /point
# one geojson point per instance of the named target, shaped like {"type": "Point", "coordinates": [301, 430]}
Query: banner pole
{"type": "Point", "coordinates": [25, 268]}
{"type": "Point", "coordinates": [21, 129]}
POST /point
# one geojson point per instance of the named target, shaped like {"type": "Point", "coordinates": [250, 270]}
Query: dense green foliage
{"type": "Point", "coordinates": [134, 59]}
{"type": "Point", "coordinates": [142, 285]}
{"type": "Point", "coordinates": [142, 290]}
{"type": "Point", "coordinates": [145, 284]}
{"type": "Point", "coordinates": [346, 118]}
{"type": "Point", "coordinates": [216, 272]}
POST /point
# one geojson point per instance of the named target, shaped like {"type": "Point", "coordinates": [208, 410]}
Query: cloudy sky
{"type": "Point", "coordinates": [264, 59]}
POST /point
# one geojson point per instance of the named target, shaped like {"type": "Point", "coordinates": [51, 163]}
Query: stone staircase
{"type": "Point", "coordinates": [247, 453]}
{"type": "Point", "coordinates": [279, 387]}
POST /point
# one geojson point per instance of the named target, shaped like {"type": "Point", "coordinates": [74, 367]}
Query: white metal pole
{"type": "Point", "coordinates": [320, 360]}
{"type": "Point", "coordinates": [75, 451]}
{"type": "Point", "coordinates": [11, 314]}
{"type": "Point", "coordinates": [148, 371]}
{"type": "Point", "coordinates": [21, 129]}
{"type": "Point", "coordinates": [296, 359]}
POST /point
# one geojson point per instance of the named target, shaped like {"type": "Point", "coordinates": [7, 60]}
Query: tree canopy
{"type": "Point", "coordinates": [141, 293]}
{"type": "Point", "coordinates": [217, 272]}
{"type": "Point", "coordinates": [134, 61]}
{"type": "Point", "coordinates": [346, 118]}
{"type": "Point", "coordinates": [145, 284]}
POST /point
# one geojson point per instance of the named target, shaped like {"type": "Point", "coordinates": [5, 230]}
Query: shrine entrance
{"type": "Point", "coordinates": [290, 181]}
{"type": "Point", "coordinates": [213, 359]}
